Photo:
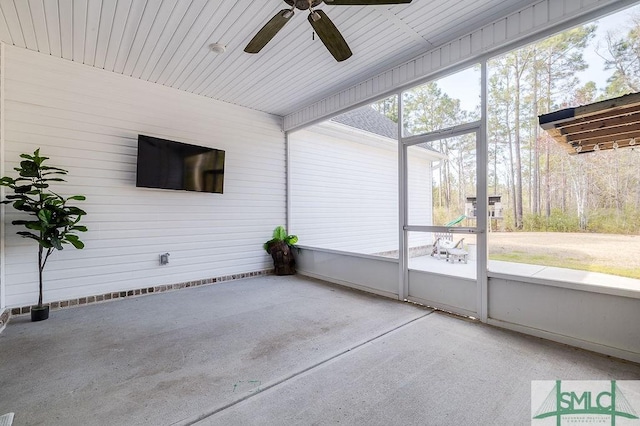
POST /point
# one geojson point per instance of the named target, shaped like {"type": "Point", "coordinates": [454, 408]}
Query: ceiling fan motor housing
{"type": "Point", "coordinates": [303, 4]}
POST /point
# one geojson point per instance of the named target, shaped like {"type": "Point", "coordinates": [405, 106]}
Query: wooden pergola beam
{"type": "Point", "coordinates": [610, 124]}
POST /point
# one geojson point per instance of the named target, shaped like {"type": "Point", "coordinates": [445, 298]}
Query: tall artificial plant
{"type": "Point", "coordinates": [53, 221]}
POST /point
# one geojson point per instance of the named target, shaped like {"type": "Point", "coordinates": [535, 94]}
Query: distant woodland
{"type": "Point", "coordinates": [542, 187]}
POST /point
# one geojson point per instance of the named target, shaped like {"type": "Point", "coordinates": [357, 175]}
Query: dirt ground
{"type": "Point", "coordinates": [603, 249]}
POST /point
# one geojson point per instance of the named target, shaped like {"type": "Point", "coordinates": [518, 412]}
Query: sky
{"type": "Point", "coordinates": [463, 84]}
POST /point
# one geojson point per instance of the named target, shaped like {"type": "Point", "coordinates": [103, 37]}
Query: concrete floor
{"type": "Point", "coordinates": [276, 351]}
{"type": "Point", "coordinates": [468, 270]}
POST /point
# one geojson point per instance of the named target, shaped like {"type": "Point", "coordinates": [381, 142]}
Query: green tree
{"type": "Point", "coordinates": [522, 85]}
{"type": "Point", "coordinates": [501, 98]}
{"type": "Point", "coordinates": [560, 58]}
{"type": "Point", "coordinates": [426, 109]}
{"type": "Point", "coordinates": [623, 57]}
{"type": "Point", "coordinates": [387, 107]}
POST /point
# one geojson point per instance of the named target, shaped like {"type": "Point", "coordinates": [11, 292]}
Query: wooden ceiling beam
{"type": "Point", "coordinates": [610, 105]}
{"type": "Point", "coordinates": [605, 139]}
{"type": "Point", "coordinates": [605, 124]}
{"type": "Point", "coordinates": [609, 133]}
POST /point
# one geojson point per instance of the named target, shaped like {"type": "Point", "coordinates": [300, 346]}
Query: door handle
{"type": "Point", "coordinates": [463, 230]}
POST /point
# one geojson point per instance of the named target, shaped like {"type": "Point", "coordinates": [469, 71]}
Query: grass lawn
{"type": "Point", "coordinates": [605, 253]}
{"type": "Point", "coordinates": [562, 262]}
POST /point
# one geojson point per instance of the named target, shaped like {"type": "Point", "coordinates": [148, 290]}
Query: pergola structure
{"type": "Point", "coordinates": [599, 126]}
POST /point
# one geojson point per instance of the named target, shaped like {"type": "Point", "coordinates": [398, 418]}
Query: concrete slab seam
{"type": "Point", "coordinates": [204, 416]}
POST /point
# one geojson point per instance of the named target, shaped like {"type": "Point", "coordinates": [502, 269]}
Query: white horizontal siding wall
{"type": "Point", "coordinates": [534, 21]}
{"type": "Point", "coordinates": [87, 120]}
{"type": "Point", "coordinates": [344, 190]}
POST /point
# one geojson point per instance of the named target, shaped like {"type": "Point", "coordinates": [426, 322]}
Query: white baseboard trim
{"type": "Point", "coordinates": [443, 306]}
{"type": "Point", "coordinates": [568, 340]}
{"type": "Point", "coordinates": [349, 284]}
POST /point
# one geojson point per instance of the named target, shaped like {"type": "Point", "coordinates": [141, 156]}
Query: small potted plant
{"type": "Point", "coordinates": [279, 247]}
{"type": "Point", "coordinates": [53, 222]}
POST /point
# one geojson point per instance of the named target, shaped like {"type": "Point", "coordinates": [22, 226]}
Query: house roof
{"type": "Point", "coordinates": [610, 124]}
{"type": "Point", "coordinates": [369, 120]}
{"type": "Point", "coordinates": [168, 42]}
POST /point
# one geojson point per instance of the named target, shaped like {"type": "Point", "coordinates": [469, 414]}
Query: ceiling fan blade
{"type": "Point", "coordinates": [330, 36]}
{"type": "Point", "coordinates": [269, 31]}
{"type": "Point", "coordinates": [364, 2]}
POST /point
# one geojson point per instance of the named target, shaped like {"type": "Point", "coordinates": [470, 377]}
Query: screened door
{"type": "Point", "coordinates": [443, 220]}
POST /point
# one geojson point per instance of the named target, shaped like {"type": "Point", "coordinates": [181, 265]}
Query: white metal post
{"type": "Point", "coordinates": [403, 250]}
{"type": "Point", "coordinates": [482, 156]}
{"type": "Point", "coordinates": [287, 163]}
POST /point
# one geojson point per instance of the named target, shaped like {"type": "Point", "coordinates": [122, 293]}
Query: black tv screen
{"type": "Point", "coordinates": [174, 165]}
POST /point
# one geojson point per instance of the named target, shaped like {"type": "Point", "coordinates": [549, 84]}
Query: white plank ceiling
{"type": "Point", "coordinates": [166, 42]}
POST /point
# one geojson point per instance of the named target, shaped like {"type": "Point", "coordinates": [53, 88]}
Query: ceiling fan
{"type": "Point", "coordinates": [322, 25]}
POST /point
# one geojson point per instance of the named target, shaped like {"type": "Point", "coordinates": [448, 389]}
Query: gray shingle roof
{"type": "Point", "coordinates": [369, 120]}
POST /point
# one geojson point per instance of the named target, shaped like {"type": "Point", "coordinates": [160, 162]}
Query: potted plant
{"type": "Point", "coordinates": [279, 247]}
{"type": "Point", "coordinates": [53, 222]}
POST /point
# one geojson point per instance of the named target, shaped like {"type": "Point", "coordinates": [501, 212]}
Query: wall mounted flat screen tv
{"type": "Point", "coordinates": [168, 164]}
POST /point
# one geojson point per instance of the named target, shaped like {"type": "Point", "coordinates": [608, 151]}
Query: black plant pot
{"type": "Point", "coordinates": [40, 313]}
{"type": "Point", "coordinates": [283, 261]}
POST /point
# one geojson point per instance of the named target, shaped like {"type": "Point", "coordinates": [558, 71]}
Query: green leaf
{"type": "Point", "coordinates": [28, 235]}
{"type": "Point", "coordinates": [25, 207]}
{"type": "Point", "coordinates": [56, 243]}
{"type": "Point", "coordinates": [268, 244]}
{"type": "Point", "coordinates": [75, 241]}
{"type": "Point", "coordinates": [44, 243]}
{"type": "Point", "coordinates": [76, 211]}
{"type": "Point", "coordinates": [53, 221]}
{"type": "Point", "coordinates": [279, 233]}
{"type": "Point", "coordinates": [36, 226]}
{"type": "Point", "coordinates": [24, 189]}
{"type": "Point", "coordinates": [28, 168]}
{"type": "Point", "coordinates": [291, 239]}
{"type": "Point", "coordinates": [55, 169]}
{"type": "Point", "coordinates": [44, 216]}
